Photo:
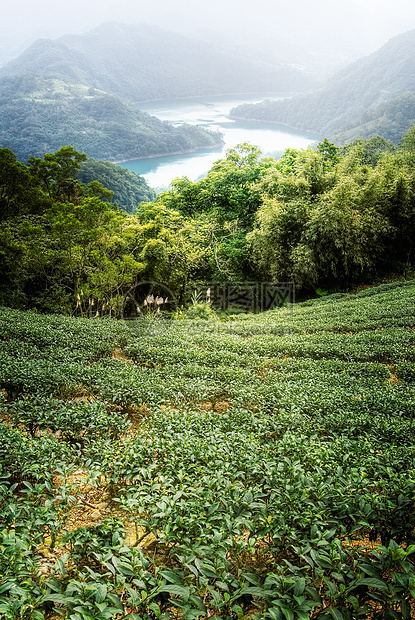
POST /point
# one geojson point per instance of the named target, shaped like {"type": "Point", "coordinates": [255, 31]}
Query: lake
{"type": "Point", "coordinates": [211, 112]}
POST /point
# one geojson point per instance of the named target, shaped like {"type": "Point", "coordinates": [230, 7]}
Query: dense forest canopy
{"type": "Point", "coordinates": [324, 219]}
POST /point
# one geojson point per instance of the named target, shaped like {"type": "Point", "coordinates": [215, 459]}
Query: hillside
{"type": "Point", "coordinates": [260, 467]}
{"type": "Point", "coordinates": [129, 188]}
{"type": "Point", "coordinates": [362, 100]}
{"type": "Point", "coordinates": [391, 120]}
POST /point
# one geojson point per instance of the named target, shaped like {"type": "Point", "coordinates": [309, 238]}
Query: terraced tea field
{"type": "Point", "coordinates": [258, 467]}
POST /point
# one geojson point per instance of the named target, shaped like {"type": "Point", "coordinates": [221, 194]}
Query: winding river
{"type": "Point", "coordinates": [211, 112]}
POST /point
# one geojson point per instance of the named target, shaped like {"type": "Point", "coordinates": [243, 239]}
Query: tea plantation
{"type": "Point", "coordinates": [257, 467]}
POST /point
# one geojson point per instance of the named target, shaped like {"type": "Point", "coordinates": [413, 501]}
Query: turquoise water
{"type": "Point", "coordinates": [211, 113]}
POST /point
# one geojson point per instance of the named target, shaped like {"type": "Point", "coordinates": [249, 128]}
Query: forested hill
{"type": "Point", "coordinates": [373, 96]}
{"type": "Point", "coordinates": [38, 115]}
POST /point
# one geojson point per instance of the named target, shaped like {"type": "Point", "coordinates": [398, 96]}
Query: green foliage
{"type": "Point", "coordinates": [324, 219]}
{"type": "Point", "coordinates": [222, 205]}
{"type": "Point", "coordinates": [75, 422]}
{"type": "Point", "coordinates": [56, 171]}
{"type": "Point", "coordinates": [75, 255]}
{"type": "Point", "coordinates": [19, 191]}
{"type": "Point", "coordinates": [321, 218]}
{"type": "Point", "coordinates": [328, 219]}
{"type": "Point", "coordinates": [200, 308]}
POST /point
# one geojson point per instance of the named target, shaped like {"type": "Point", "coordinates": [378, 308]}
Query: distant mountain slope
{"type": "Point", "coordinates": [358, 101]}
{"type": "Point", "coordinates": [141, 62]}
{"type": "Point", "coordinates": [390, 119]}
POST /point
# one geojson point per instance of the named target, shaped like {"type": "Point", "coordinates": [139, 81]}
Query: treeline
{"type": "Point", "coordinates": [325, 219]}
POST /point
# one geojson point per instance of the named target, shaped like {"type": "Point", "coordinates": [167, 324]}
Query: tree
{"type": "Point", "coordinates": [278, 232]}
{"type": "Point", "coordinates": [19, 191]}
{"type": "Point", "coordinates": [56, 172]}
{"type": "Point", "coordinates": [408, 141]}
{"type": "Point", "coordinates": [97, 190]}
{"type": "Point", "coordinates": [368, 152]}
{"type": "Point", "coordinates": [326, 226]}
{"type": "Point", "coordinates": [82, 251]}
{"type": "Point", "coordinates": [173, 249]}
{"type": "Point", "coordinates": [14, 267]}
{"type": "Point", "coordinates": [329, 152]}
{"type": "Point", "coordinates": [230, 187]}
{"type": "Point", "coordinates": [346, 238]}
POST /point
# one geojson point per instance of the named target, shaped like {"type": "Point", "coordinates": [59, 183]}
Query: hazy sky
{"type": "Point", "coordinates": [360, 25]}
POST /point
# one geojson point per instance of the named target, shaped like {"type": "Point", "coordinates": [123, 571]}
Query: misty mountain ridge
{"type": "Point", "coordinates": [372, 96]}
{"type": "Point", "coordinates": [321, 35]}
{"type": "Point", "coordinates": [80, 90]}
{"type": "Point", "coordinates": [142, 62]}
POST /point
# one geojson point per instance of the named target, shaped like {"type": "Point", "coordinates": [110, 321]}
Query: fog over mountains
{"type": "Point", "coordinates": [320, 35]}
{"type": "Point", "coordinates": [80, 88]}
{"type": "Point", "coordinates": [138, 62]}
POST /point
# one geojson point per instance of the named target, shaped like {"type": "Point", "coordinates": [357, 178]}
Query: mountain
{"type": "Point", "coordinates": [80, 90]}
{"type": "Point", "coordinates": [372, 96]}
{"type": "Point", "coordinates": [141, 62]}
